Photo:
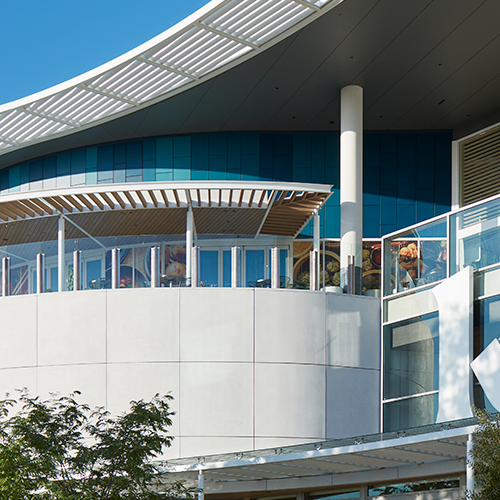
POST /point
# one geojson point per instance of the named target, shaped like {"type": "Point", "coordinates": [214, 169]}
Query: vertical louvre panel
{"type": "Point", "coordinates": [480, 157]}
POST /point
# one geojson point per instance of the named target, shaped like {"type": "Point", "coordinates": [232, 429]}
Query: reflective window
{"type": "Point", "coordinates": [94, 271]}
{"type": "Point", "coordinates": [411, 367]}
{"type": "Point", "coordinates": [475, 236]}
{"type": "Point", "coordinates": [209, 267]}
{"type": "Point", "coordinates": [54, 284]}
{"type": "Point", "coordinates": [416, 257]}
{"type": "Point", "coordinates": [486, 330]}
{"type": "Point", "coordinates": [411, 412]}
{"type": "Point", "coordinates": [421, 485]}
{"type": "Point", "coordinates": [334, 495]}
{"type": "Point", "coordinates": [411, 356]}
{"type": "Point", "coordinates": [226, 268]}
{"type": "Point", "coordinates": [255, 265]}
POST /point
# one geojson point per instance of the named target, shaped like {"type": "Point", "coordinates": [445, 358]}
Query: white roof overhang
{"type": "Point", "coordinates": [218, 36]}
{"type": "Point", "coordinates": [220, 208]}
{"type": "Point", "coordinates": [442, 451]}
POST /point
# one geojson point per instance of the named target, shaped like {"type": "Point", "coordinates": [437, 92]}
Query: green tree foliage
{"type": "Point", "coordinates": [61, 449]}
{"type": "Point", "coordinates": [485, 456]}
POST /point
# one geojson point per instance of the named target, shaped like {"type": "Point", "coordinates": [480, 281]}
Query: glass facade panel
{"type": "Point", "coordinates": [486, 330]}
{"type": "Point", "coordinates": [226, 268]}
{"type": "Point", "coordinates": [94, 271]}
{"type": "Point", "coordinates": [416, 257]}
{"type": "Point", "coordinates": [395, 196]}
{"type": "Point", "coordinates": [254, 265]}
{"type": "Point", "coordinates": [54, 284]}
{"type": "Point", "coordinates": [411, 412]}
{"type": "Point", "coordinates": [411, 356]}
{"type": "Point", "coordinates": [334, 495]}
{"type": "Point", "coordinates": [475, 237]}
{"type": "Point", "coordinates": [209, 267]}
{"type": "Point", "coordinates": [329, 262]}
{"type": "Point", "coordinates": [413, 486]}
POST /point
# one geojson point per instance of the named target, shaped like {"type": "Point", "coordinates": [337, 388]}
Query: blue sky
{"type": "Point", "coordinates": [44, 43]}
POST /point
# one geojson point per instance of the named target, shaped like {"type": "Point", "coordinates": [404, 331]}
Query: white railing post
{"type": "Point", "coordinates": [40, 273]}
{"type": "Point", "coordinates": [235, 267]}
{"type": "Point", "coordinates": [313, 270]}
{"type": "Point", "coordinates": [77, 270]}
{"type": "Point", "coordinates": [5, 276]}
{"type": "Point", "coordinates": [115, 268]}
{"type": "Point", "coordinates": [61, 270]}
{"type": "Point", "coordinates": [195, 267]}
{"type": "Point", "coordinates": [155, 267]}
{"type": "Point", "coordinates": [275, 267]}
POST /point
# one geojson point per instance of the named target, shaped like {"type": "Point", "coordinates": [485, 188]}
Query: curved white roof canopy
{"type": "Point", "coordinates": [227, 208]}
{"type": "Point", "coordinates": [217, 37]}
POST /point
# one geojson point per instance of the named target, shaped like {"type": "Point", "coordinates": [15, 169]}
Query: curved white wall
{"type": "Point", "coordinates": [249, 368]}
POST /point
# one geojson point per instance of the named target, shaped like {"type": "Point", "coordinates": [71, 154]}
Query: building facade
{"type": "Point", "coordinates": [179, 220]}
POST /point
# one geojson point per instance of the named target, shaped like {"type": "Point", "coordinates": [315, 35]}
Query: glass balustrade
{"type": "Point", "coordinates": [416, 256]}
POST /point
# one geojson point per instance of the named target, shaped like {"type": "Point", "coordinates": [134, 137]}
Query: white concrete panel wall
{"type": "Point", "coordinates": [248, 368]}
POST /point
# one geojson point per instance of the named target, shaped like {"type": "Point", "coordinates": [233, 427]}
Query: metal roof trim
{"type": "Point", "coordinates": [177, 185]}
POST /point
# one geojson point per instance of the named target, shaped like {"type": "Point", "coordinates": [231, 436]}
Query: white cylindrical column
{"type": "Point", "coordinates": [189, 244]}
{"type": "Point", "coordinates": [40, 272]}
{"type": "Point", "coordinates": [5, 276]}
{"type": "Point", "coordinates": [155, 267]}
{"type": "Point", "coordinates": [77, 270]}
{"type": "Point", "coordinates": [235, 267]}
{"type": "Point", "coordinates": [469, 481]}
{"type": "Point", "coordinates": [351, 181]}
{"type": "Point", "coordinates": [275, 267]}
{"type": "Point", "coordinates": [61, 271]}
{"type": "Point", "coordinates": [115, 268]}
{"type": "Point", "coordinates": [195, 267]}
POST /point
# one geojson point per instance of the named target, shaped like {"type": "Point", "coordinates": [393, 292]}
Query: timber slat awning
{"type": "Point", "coordinates": [219, 208]}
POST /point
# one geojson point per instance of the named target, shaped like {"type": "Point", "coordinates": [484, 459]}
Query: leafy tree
{"type": "Point", "coordinates": [61, 449]}
{"type": "Point", "coordinates": [485, 456]}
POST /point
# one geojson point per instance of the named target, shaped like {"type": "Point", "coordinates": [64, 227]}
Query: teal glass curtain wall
{"type": "Point", "coordinates": [407, 176]}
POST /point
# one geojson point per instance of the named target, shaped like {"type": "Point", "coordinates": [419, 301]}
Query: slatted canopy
{"type": "Point", "coordinates": [218, 36]}
{"type": "Point", "coordinates": [219, 208]}
{"type": "Point", "coordinates": [444, 450]}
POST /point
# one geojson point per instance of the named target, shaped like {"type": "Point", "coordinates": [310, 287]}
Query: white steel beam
{"type": "Point", "coordinates": [226, 35]}
{"type": "Point", "coordinates": [167, 68]}
{"type": "Point", "coordinates": [48, 117]}
{"type": "Point", "coordinates": [108, 94]}
{"type": "Point", "coordinates": [307, 4]}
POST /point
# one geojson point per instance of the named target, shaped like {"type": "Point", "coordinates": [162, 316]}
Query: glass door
{"type": "Point", "coordinates": [256, 268]}
{"type": "Point", "coordinates": [209, 267]}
